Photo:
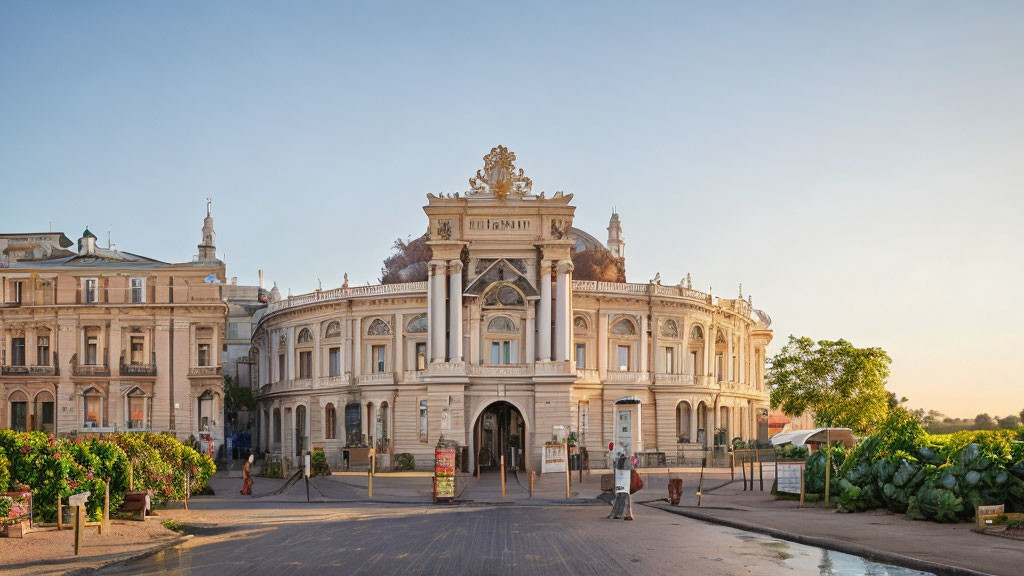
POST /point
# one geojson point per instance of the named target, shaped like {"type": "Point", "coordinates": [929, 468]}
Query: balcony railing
{"type": "Point", "coordinates": [624, 377]}
{"type": "Point", "coordinates": [446, 369]}
{"type": "Point", "coordinates": [14, 370]}
{"type": "Point", "coordinates": [587, 375]}
{"type": "Point", "coordinates": [138, 370]}
{"type": "Point", "coordinates": [345, 293]}
{"type": "Point", "coordinates": [204, 371]}
{"type": "Point", "coordinates": [633, 288]}
{"type": "Point", "coordinates": [502, 370]}
{"type": "Point", "coordinates": [377, 378]}
{"type": "Point", "coordinates": [91, 370]}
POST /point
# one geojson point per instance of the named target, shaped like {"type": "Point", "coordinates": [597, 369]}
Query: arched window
{"type": "Point", "coordinates": [333, 330]}
{"type": "Point", "coordinates": [417, 325]}
{"type": "Point", "coordinates": [378, 328]}
{"type": "Point", "coordinates": [501, 324]}
{"type": "Point", "coordinates": [623, 327]}
{"type": "Point", "coordinates": [683, 416]}
{"type": "Point", "coordinates": [503, 296]}
{"type": "Point", "coordinates": [580, 323]}
{"type": "Point", "coordinates": [669, 329]}
{"type": "Point", "coordinates": [697, 333]}
{"type": "Point", "coordinates": [305, 336]}
{"type": "Point", "coordinates": [330, 422]}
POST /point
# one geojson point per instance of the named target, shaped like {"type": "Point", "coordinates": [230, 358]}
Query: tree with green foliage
{"type": "Point", "coordinates": [984, 422]}
{"type": "Point", "coordinates": [843, 385]}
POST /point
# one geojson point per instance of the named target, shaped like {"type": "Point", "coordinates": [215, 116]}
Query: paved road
{"type": "Point", "coordinates": [349, 539]}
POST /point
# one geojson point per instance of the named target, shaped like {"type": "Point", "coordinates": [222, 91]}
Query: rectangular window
{"type": "Point", "coordinates": [670, 360]}
{"type": "Point", "coordinates": [138, 290]}
{"type": "Point", "coordinates": [282, 373]}
{"type": "Point", "coordinates": [377, 356]}
{"type": "Point", "coordinates": [719, 367]}
{"type": "Point", "coordinates": [92, 411]}
{"type": "Point", "coordinates": [90, 290]}
{"type": "Point", "coordinates": [17, 351]}
{"type": "Point", "coordinates": [136, 409]}
{"type": "Point", "coordinates": [353, 424]}
{"type": "Point", "coordinates": [92, 348]}
{"type": "Point", "coordinates": [306, 364]}
{"type": "Point", "coordinates": [334, 361]}
{"type": "Point", "coordinates": [421, 355]}
{"type": "Point", "coordinates": [623, 358]}
{"type": "Point", "coordinates": [581, 356]}
{"type": "Point", "coordinates": [19, 416]}
{"type": "Point", "coordinates": [42, 350]}
{"type": "Point", "coordinates": [423, 420]}
{"type": "Point", "coordinates": [204, 354]}
{"type": "Point", "coordinates": [137, 348]}
{"type": "Point", "coordinates": [691, 369]}
{"type": "Point", "coordinates": [16, 288]}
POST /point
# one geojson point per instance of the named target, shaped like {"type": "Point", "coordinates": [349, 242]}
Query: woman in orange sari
{"type": "Point", "coordinates": [247, 477]}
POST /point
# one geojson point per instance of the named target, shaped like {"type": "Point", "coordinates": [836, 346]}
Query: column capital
{"type": "Point", "coordinates": [545, 267]}
{"type": "Point", "coordinates": [564, 267]}
{"type": "Point", "coordinates": [434, 265]}
{"type": "Point", "coordinates": [455, 267]}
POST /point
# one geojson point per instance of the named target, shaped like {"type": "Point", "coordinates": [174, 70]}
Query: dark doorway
{"type": "Point", "coordinates": [500, 429]}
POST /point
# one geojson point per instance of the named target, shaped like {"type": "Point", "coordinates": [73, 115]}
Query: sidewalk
{"type": "Point", "coordinates": [878, 535]}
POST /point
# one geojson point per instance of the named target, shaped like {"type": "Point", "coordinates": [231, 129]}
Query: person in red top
{"type": "Point", "coordinates": [247, 477]}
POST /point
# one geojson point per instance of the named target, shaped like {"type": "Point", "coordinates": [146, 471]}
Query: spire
{"type": "Point", "coordinates": [616, 240]}
{"type": "Point", "coordinates": [208, 247]}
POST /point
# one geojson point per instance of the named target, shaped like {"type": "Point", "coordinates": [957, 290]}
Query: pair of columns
{"type": "Point", "coordinates": [437, 346]}
{"type": "Point", "coordinates": [563, 311]}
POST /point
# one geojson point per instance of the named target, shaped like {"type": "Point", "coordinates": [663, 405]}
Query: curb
{"type": "Point", "coordinates": [872, 554]}
{"type": "Point", "coordinates": [129, 557]}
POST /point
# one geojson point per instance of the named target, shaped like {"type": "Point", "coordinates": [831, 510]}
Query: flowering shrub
{"type": "Point", "coordinates": [55, 467]}
{"type": "Point", "coordinates": [318, 463]}
{"type": "Point", "coordinates": [5, 472]}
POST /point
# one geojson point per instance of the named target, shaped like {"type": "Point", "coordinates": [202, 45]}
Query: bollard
{"type": "Point", "coordinates": [743, 468]}
{"type": "Point", "coordinates": [532, 473]}
{"type": "Point", "coordinates": [760, 473]}
{"type": "Point", "coordinates": [131, 477]}
{"type": "Point", "coordinates": [105, 522]}
{"type": "Point", "coordinates": [78, 529]}
{"type": "Point", "coordinates": [565, 447]}
{"type": "Point", "coordinates": [502, 476]}
{"type": "Point", "coordinates": [700, 485]}
{"type": "Point", "coordinates": [60, 516]}
{"type": "Point", "coordinates": [732, 466]}
{"type": "Point", "coordinates": [369, 477]}
{"type": "Point", "coordinates": [751, 474]}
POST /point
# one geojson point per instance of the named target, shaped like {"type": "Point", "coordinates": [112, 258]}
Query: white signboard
{"type": "Point", "coordinates": [554, 458]}
{"type": "Point", "coordinates": [789, 475]}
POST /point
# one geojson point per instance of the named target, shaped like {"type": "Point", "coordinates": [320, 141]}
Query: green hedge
{"type": "Point", "coordinates": [5, 472]}
{"type": "Point", "coordinates": [52, 466]}
{"type": "Point", "coordinates": [932, 477]}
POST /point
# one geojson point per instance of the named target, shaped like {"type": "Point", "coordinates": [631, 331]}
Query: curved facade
{"type": "Point", "coordinates": [501, 350]}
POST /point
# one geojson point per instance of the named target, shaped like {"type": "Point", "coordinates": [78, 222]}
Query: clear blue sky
{"type": "Point", "coordinates": [858, 167]}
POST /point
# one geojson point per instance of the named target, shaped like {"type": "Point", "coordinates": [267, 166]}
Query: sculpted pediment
{"type": "Point", "coordinates": [501, 270]}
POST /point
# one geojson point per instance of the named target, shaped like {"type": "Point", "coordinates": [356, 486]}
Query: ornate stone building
{"type": "Point", "coordinates": [98, 340]}
{"type": "Point", "coordinates": [500, 349]}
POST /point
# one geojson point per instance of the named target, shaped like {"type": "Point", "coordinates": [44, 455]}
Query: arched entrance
{"type": "Point", "coordinates": [500, 429]}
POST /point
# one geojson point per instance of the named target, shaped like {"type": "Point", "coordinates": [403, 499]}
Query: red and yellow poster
{"type": "Point", "coordinates": [444, 474]}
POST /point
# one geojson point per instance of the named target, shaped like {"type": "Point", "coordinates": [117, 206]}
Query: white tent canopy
{"type": "Point", "coordinates": [817, 435]}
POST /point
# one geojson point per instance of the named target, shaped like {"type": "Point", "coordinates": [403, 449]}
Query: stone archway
{"type": "Point", "coordinates": [500, 429]}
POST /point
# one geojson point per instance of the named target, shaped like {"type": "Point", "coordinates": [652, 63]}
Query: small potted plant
{"type": "Point", "coordinates": [572, 440]}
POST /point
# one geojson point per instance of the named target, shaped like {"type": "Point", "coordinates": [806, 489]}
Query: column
{"type": "Point", "coordinates": [729, 375]}
{"type": "Point", "coordinates": [602, 345]}
{"type": "Point", "coordinates": [709, 348]}
{"type": "Point", "coordinates": [357, 349]}
{"type": "Point", "coordinates": [563, 308]}
{"type": "Point", "coordinates": [317, 352]}
{"type": "Point", "coordinates": [289, 361]}
{"type": "Point", "coordinates": [685, 368]}
{"type": "Point", "coordinates": [643, 343]}
{"type": "Point", "coordinates": [544, 313]}
{"type": "Point", "coordinates": [399, 355]}
{"type": "Point", "coordinates": [531, 328]}
{"type": "Point", "coordinates": [455, 310]}
{"type": "Point", "coordinates": [437, 324]}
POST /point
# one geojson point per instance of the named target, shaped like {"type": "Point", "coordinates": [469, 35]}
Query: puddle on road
{"type": "Point", "coordinates": [803, 559]}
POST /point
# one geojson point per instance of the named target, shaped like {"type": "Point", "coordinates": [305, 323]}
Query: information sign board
{"type": "Point", "coordinates": [790, 476]}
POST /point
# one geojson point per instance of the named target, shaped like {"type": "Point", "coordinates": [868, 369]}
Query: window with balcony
{"type": "Point", "coordinates": [377, 357]}
{"type": "Point", "coordinates": [306, 364]}
{"type": "Point", "coordinates": [42, 350]}
{"type": "Point", "coordinates": [421, 355]}
{"type": "Point", "coordinates": [581, 356]}
{"type": "Point", "coordinates": [137, 351]}
{"type": "Point", "coordinates": [138, 290]}
{"type": "Point", "coordinates": [204, 355]}
{"type": "Point", "coordinates": [623, 358]}
{"type": "Point", "coordinates": [334, 361]}
{"type": "Point", "coordinates": [18, 351]}
{"type": "Point", "coordinates": [92, 350]}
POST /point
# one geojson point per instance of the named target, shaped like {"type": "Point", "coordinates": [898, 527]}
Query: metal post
{"type": "Point", "coordinates": [502, 476]}
{"type": "Point", "coordinates": [828, 465]}
{"type": "Point", "coordinates": [760, 473]}
{"type": "Point", "coordinates": [78, 529]}
{"type": "Point", "coordinates": [743, 468]}
{"type": "Point", "coordinates": [532, 474]}
{"type": "Point", "coordinates": [568, 476]}
{"type": "Point", "coordinates": [700, 485]}
{"type": "Point", "coordinates": [732, 465]}
{"type": "Point", "coordinates": [369, 479]}
{"type": "Point", "coordinates": [751, 474]}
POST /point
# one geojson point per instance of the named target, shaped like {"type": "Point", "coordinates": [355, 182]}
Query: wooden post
{"type": "Point", "coordinates": [568, 477]}
{"type": "Point", "coordinates": [78, 529]}
{"type": "Point", "coordinates": [502, 476]}
{"type": "Point", "coordinates": [801, 484]}
{"type": "Point", "coordinates": [700, 485]}
{"type": "Point", "coordinates": [743, 468]}
{"type": "Point", "coordinates": [532, 474]}
{"type": "Point", "coordinates": [369, 479]}
{"type": "Point", "coordinates": [105, 522]}
{"type": "Point", "coordinates": [131, 476]}
{"type": "Point", "coordinates": [732, 466]}
{"type": "Point", "coordinates": [828, 465]}
{"type": "Point", "coordinates": [60, 519]}
{"type": "Point", "coordinates": [751, 474]}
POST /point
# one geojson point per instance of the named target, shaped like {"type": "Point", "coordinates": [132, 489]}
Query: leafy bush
{"type": "Point", "coordinates": [5, 472]}
{"type": "Point", "coordinates": [405, 461]}
{"type": "Point", "coordinates": [932, 477]}
{"type": "Point", "coordinates": [814, 471]}
{"type": "Point", "coordinates": [5, 506]}
{"type": "Point", "coordinates": [791, 452]}
{"type": "Point", "coordinates": [318, 463]}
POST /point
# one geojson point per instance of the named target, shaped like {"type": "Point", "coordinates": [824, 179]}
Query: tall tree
{"type": "Point", "coordinates": [408, 262]}
{"type": "Point", "coordinates": [984, 422]}
{"type": "Point", "coordinates": [844, 386]}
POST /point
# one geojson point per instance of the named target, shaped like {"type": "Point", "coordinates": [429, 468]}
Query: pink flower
{"type": "Point", "coordinates": [89, 475]}
{"type": "Point", "coordinates": [25, 448]}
